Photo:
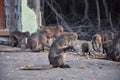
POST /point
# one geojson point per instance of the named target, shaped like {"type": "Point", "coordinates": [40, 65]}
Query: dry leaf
{"type": "Point", "coordinates": [28, 66]}
{"type": "Point", "coordinates": [83, 67]}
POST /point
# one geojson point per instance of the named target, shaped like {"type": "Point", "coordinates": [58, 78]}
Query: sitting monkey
{"type": "Point", "coordinates": [99, 39]}
{"type": "Point", "coordinates": [85, 48]}
{"type": "Point", "coordinates": [106, 37]}
{"type": "Point", "coordinates": [17, 38]}
{"type": "Point", "coordinates": [56, 54]}
{"type": "Point", "coordinates": [97, 42]}
{"type": "Point", "coordinates": [72, 37]}
{"type": "Point", "coordinates": [112, 48]}
{"type": "Point", "coordinates": [39, 39]}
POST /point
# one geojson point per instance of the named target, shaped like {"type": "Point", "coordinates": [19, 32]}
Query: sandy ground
{"type": "Point", "coordinates": [81, 67]}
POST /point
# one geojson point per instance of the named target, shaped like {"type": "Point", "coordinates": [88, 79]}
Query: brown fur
{"type": "Point", "coordinates": [56, 54]}
{"type": "Point", "coordinates": [55, 30]}
{"type": "Point", "coordinates": [97, 42]}
{"type": "Point", "coordinates": [112, 48]}
{"type": "Point", "coordinates": [106, 37]}
{"type": "Point", "coordinates": [17, 38]}
{"type": "Point", "coordinates": [39, 39]}
{"type": "Point", "coordinates": [85, 48]}
{"type": "Point", "coordinates": [100, 38]}
{"type": "Point", "coordinates": [72, 37]}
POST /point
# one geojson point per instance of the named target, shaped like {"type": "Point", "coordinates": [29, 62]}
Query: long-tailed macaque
{"type": "Point", "coordinates": [56, 54]}
{"type": "Point", "coordinates": [97, 42]}
{"type": "Point", "coordinates": [17, 38]}
{"type": "Point", "coordinates": [85, 48]}
{"type": "Point", "coordinates": [72, 37]}
{"type": "Point", "coordinates": [38, 40]}
{"type": "Point", "coordinates": [112, 48]}
{"type": "Point", "coordinates": [100, 38]}
{"type": "Point", "coordinates": [56, 30]}
{"type": "Point", "coordinates": [41, 38]}
{"type": "Point", "coordinates": [107, 36]}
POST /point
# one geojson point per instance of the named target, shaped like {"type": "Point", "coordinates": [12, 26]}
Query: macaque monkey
{"type": "Point", "coordinates": [38, 40]}
{"type": "Point", "coordinates": [85, 48]}
{"type": "Point", "coordinates": [97, 42]}
{"type": "Point", "coordinates": [112, 48]}
{"type": "Point", "coordinates": [107, 36]}
{"type": "Point", "coordinates": [55, 30]}
{"type": "Point", "coordinates": [56, 54]}
{"type": "Point", "coordinates": [72, 37]}
{"type": "Point", "coordinates": [100, 38]}
{"type": "Point", "coordinates": [17, 38]}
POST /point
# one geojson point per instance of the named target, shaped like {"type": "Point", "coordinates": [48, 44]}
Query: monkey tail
{"type": "Point", "coordinates": [39, 68]}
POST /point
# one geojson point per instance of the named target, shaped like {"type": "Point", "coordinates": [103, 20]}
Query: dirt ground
{"type": "Point", "coordinates": [82, 68]}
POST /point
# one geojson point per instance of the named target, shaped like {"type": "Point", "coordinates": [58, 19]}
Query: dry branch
{"type": "Point", "coordinates": [59, 16]}
{"type": "Point", "coordinates": [98, 15]}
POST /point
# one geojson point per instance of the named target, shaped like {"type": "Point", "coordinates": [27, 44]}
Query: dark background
{"type": "Point", "coordinates": [86, 17]}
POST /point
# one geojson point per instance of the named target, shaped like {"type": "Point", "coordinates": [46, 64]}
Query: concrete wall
{"type": "Point", "coordinates": [29, 22]}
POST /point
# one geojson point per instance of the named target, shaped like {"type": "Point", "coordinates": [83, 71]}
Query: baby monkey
{"type": "Point", "coordinates": [85, 48]}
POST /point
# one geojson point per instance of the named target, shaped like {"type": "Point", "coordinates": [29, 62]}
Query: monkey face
{"type": "Point", "coordinates": [26, 34]}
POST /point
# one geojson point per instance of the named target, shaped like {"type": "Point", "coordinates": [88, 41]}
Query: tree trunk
{"type": "Point", "coordinates": [86, 18]}
{"type": "Point", "coordinates": [86, 9]}
{"type": "Point", "coordinates": [42, 12]}
{"type": "Point", "coordinates": [108, 15]}
{"type": "Point", "coordinates": [106, 9]}
{"type": "Point", "coordinates": [59, 16]}
{"type": "Point", "coordinates": [98, 15]}
{"type": "Point", "coordinates": [110, 20]}
{"type": "Point", "coordinates": [38, 13]}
